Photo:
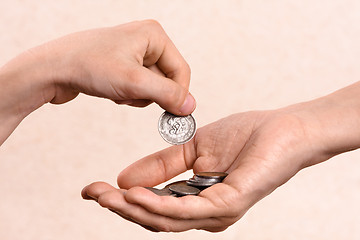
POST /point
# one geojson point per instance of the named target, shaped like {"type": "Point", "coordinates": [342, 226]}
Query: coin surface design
{"type": "Point", "coordinates": [176, 130]}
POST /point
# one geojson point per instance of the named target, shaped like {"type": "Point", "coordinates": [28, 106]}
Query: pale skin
{"type": "Point", "coordinates": [260, 150]}
{"type": "Point", "coordinates": [134, 64]}
{"type": "Point", "coordinates": [137, 64]}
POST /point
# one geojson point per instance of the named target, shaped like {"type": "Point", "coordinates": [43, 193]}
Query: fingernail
{"type": "Point", "coordinates": [189, 105]}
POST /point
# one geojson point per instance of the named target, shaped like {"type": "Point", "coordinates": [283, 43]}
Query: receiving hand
{"type": "Point", "coordinates": [260, 151]}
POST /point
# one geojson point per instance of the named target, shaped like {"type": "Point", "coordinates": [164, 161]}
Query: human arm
{"type": "Point", "coordinates": [260, 150]}
{"type": "Point", "coordinates": [133, 64]}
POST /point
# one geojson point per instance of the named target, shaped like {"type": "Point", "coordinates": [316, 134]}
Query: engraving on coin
{"type": "Point", "coordinates": [176, 130]}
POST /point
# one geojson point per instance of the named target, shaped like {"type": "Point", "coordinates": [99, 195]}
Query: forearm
{"type": "Point", "coordinates": [332, 122]}
{"type": "Point", "coordinates": [24, 87]}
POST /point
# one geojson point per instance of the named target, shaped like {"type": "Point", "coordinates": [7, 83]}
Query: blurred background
{"type": "Point", "coordinates": [244, 55]}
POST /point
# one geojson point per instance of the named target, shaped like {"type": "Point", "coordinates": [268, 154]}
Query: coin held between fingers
{"type": "Point", "coordinates": [176, 130]}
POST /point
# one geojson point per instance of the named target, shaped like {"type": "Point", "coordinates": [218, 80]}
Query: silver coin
{"type": "Point", "coordinates": [211, 175]}
{"type": "Point", "coordinates": [198, 179]}
{"type": "Point", "coordinates": [183, 190]}
{"type": "Point", "coordinates": [206, 179]}
{"type": "Point", "coordinates": [200, 184]}
{"type": "Point", "coordinates": [204, 182]}
{"type": "Point", "coordinates": [176, 130]}
{"type": "Point", "coordinates": [182, 182]}
{"type": "Point", "coordinates": [161, 192]}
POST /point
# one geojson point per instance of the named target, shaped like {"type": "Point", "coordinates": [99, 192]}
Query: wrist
{"type": "Point", "coordinates": [331, 122]}
{"type": "Point", "coordinates": [25, 85]}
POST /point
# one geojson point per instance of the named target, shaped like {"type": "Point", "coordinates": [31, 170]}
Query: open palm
{"type": "Point", "coordinates": [260, 151]}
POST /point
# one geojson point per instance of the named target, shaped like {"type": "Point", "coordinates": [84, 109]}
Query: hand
{"type": "Point", "coordinates": [260, 151]}
{"type": "Point", "coordinates": [134, 64]}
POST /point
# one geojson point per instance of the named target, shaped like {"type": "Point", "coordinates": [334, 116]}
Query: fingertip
{"type": "Point", "coordinates": [94, 190]}
{"type": "Point", "coordinates": [124, 181]}
{"type": "Point", "coordinates": [84, 194]}
{"type": "Point", "coordinates": [120, 181]}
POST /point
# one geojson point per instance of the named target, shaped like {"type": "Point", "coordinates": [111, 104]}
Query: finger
{"type": "Point", "coordinates": [220, 200]}
{"type": "Point", "coordinates": [115, 201]}
{"type": "Point", "coordinates": [154, 68]}
{"type": "Point", "coordinates": [174, 65]}
{"type": "Point", "coordinates": [162, 51]}
{"type": "Point", "coordinates": [158, 167]}
{"type": "Point", "coordinates": [130, 220]}
{"type": "Point", "coordinates": [94, 190]}
{"type": "Point", "coordinates": [142, 83]}
{"type": "Point", "coordinates": [141, 102]}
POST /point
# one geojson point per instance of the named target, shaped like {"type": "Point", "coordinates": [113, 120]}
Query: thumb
{"type": "Point", "coordinates": [170, 95]}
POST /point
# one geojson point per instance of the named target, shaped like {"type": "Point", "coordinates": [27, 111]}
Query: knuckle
{"type": "Point", "coordinates": [153, 27]}
{"type": "Point", "coordinates": [152, 23]}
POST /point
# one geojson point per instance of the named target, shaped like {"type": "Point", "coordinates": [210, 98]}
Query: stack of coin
{"type": "Point", "coordinates": [193, 186]}
{"type": "Point", "coordinates": [206, 179]}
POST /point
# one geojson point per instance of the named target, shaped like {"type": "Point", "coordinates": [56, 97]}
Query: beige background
{"type": "Point", "coordinates": [244, 55]}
